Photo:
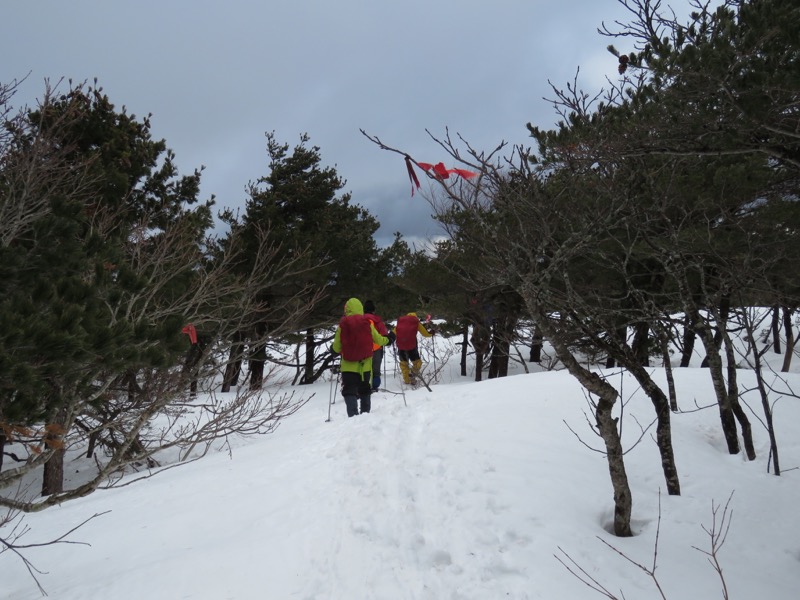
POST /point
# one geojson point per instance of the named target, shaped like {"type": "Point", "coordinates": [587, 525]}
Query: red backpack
{"type": "Point", "coordinates": [356, 337]}
{"type": "Point", "coordinates": [406, 331]}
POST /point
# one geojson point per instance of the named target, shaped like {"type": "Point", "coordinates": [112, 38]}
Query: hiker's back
{"type": "Point", "coordinates": [407, 332]}
{"type": "Point", "coordinates": [356, 337]}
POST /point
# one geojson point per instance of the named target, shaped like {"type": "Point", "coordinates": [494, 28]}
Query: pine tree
{"type": "Point", "coordinates": [330, 238]}
{"type": "Point", "coordinates": [77, 303]}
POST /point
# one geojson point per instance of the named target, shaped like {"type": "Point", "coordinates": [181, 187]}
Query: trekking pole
{"type": "Point", "coordinates": [332, 398]}
{"type": "Point", "coordinates": [433, 349]}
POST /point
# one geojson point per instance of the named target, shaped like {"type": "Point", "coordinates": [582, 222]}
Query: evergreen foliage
{"type": "Point", "coordinates": [299, 200]}
{"type": "Point", "coordinates": [329, 239]}
{"type": "Point", "coordinates": [105, 262]}
{"type": "Point", "coordinates": [72, 273]}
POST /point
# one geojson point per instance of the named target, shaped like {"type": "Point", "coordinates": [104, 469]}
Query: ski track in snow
{"type": "Point", "coordinates": [460, 557]}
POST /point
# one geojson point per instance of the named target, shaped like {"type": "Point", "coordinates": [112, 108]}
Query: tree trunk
{"type": "Point", "coordinates": [502, 333]}
{"type": "Point", "coordinates": [53, 473]}
{"type": "Point", "coordinates": [478, 365]}
{"type": "Point", "coordinates": [464, 349]}
{"type": "Point", "coordinates": [733, 398]}
{"type": "Point", "coordinates": [234, 367]}
{"type": "Point", "coordinates": [756, 353]}
{"type": "Point", "coordinates": [776, 329]}
{"type": "Point", "coordinates": [536, 345]}
{"type": "Point", "coordinates": [480, 342]}
{"type": "Point", "coordinates": [311, 344]}
{"type": "Point", "coordinates": [621, 334]}
{"type": "Point", "coordinates": [255, 363]}
{"type": "Point", "coordinates": [628, 357]}
{"type": "Point", "coordinates": [495, 360]}
{"type": "Point", "coordinates": [773, 440]}
{"type": "Point", "coordinates": [722, 323]}
{"type": "Point", "coordinates": [92, 444]}
{"type": "Point", "coordinates": [498, 362]}
{"type": "Point", "coordinates": [789, 331]}
{"type": "Point", "coordinates": [129, 379]}
{"type": "Point", "coordinates": [673, 397]}
{"type": "Point", "coordinates": [765, 404]}
{"type": "Point", "coordinates": [688, 340]}
{"type": "Point", "coordinates": [192, 360]}
{"type": "Point", "coordinates": [663, 425]}
{"type": "Point", "coordinates": [606, 424]}
{"type": "Point", "coordinates": [641, 343]}
{"type": "Point", "coordinates": [718, 380]}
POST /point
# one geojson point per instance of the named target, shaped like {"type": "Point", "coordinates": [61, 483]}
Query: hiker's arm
{"type": "Point", "coordinates": [376, 337]}
{"type": "Point", "coordinates": [337, 341]}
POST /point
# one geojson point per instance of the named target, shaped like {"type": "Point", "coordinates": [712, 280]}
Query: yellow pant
{"type": "Point", "coordinates": [409, 374]}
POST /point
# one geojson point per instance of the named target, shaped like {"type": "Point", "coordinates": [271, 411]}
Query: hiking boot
{"type": "Point", "coordinates": [416, 367]}
{"type": "Point", "coordinates": [406, 374]}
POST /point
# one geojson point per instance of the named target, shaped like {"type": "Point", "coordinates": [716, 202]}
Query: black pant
{"type": "Point", "coordinates": [377, 359]}
{"type": "Point", "coordinates": [355, 387]}
{"type": "Point", "coordinates": [411, 355]}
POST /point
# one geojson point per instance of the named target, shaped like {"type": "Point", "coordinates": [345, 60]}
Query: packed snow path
{"type": "Point", "coordinates": [432, 499]}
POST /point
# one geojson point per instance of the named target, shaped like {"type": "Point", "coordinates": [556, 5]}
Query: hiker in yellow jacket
{"type": "Point", "coordinates": [353, 340]}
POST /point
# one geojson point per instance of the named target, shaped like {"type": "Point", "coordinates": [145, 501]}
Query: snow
{"type": "Point", "coordinates": [472, 491]}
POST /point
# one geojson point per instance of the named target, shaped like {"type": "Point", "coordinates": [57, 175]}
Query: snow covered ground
{"type": "Point", "coordinates": [472, 491]}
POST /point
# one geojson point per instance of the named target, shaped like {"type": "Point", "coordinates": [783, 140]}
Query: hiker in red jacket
{"type": "Point", "coordinates": [377, 351]}
{"type": "Point", "coordinates": [406, 331]}
{"type": "Point", "coordinates": [354, 339]}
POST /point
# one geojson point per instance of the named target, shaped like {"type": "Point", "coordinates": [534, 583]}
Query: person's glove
{"type": "Point", "coordinates": [392, 337]}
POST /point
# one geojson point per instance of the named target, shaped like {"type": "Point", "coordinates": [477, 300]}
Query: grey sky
{"type": "Point", "coordinates": [217, 75]}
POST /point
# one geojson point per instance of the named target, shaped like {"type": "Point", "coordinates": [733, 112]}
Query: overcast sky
{"type": "Point", "coordinates": [217, 75]}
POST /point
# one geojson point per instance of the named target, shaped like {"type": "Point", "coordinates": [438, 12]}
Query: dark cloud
{"type": "Point", "coordinates": [217, 75]}
{"type": "Point", "coordinates": [397, 211]}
